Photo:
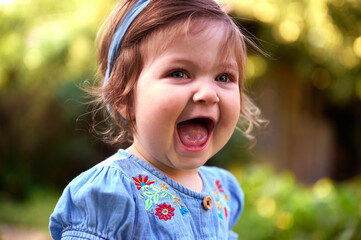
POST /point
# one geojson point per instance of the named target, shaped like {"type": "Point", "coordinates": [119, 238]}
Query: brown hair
{"type": "Point", "coordinates": [159, 17]}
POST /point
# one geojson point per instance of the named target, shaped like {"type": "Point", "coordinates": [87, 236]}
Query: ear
{"type": "Point", "coordinates": [123, 111]}
{"type": "Point", "coordinates": [126, 105]}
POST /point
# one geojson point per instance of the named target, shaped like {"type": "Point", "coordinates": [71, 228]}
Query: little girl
{"type": "Point", "coordinates": [173, 82]}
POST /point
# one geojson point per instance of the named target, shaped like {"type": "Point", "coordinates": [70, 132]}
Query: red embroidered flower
{"type": "Point", "coordinates": [140, 182]}
{"type": "Point", "coordinates": [164, 211]}
{"type": "Point", "coordinates": [219, 185]}
{"type": "Point", "coordinates": [225, 212]}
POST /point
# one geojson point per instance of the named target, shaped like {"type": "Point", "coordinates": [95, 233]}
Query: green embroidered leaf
{"type": "Point", "coordinates": [148, 204]}
{"type": "Point", "coordinates": [155, 188]}
{"type": "Point", "coordinates": [156, 198]}
{"type": "Point", "coordinates": [144, 187]}
{"type": "Point", "coordinates": [163, 195]}
{"type": "Point", "coordinates": [148, 194]}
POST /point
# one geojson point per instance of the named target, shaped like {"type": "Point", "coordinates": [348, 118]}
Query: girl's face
{"type": "Point", "coordinates": [186, 102]}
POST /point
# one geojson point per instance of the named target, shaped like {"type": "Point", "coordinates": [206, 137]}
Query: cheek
{"type": "Point", "coordinates": [170, 108]}
{"type": "Point", "coordinates": [156, 110]}
{"type": "Point", "coordinates": [232, 107]}
{"type": "Point", "coordinates": [167, 101]}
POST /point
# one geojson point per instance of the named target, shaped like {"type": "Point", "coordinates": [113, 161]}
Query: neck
{"type": "Point", "coordinates": [191, 180]}
{"type": "Point", "coordinates": [188, 178]}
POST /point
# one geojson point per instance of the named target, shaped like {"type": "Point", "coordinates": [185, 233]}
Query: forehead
{"type": "Point", "coordinates": [229, 47]}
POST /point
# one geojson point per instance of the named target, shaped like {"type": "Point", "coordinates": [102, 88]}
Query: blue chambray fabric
{"type": "Point", "coordinates": [123, 197]}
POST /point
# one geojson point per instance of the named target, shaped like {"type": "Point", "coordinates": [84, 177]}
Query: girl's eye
{"type": "Point", "coordinates": [224, 78]}
{"type": "Point", "coordinates": [178, 74]}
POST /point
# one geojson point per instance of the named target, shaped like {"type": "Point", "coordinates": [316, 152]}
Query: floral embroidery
{"type": "Point", "coordinates": [164, 211]}
{"type": "Point", "coordinates": [183, 211]}
{"type": "Point", "coordinates": [176, 199]}
{"type": "Point", "coordinates": [219, 186]}
{"type": "Point", "coordinates": [153, 194]}
{"type": "Point", "coordinates": [162, 185]}
{"type": "Point", "coordinates": [221, 200]}
{"type": "Point", "coordinates": [141, 182]}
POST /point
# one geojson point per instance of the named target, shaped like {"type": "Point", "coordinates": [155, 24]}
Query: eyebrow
{"type": "Point", "coordinates": [224, 65]}
{"type": "Point", "coordinates": [230, 65]}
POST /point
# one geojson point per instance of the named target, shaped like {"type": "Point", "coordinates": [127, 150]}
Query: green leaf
{"type": "Point", "coordinates": [148, 204]}
{"type": "Point", "coordinates": [163, 195]}
{"type": "Point", "coordinates": [148, 194]}
{"type": "Point", "coordinates": [156, 198]}
{"type": "Point", "coordinates": [155, 188]}
{"type": "Point", "coordinates": [144, 187]}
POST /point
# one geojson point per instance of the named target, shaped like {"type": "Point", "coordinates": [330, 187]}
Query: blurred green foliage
{"type": "Point", "coordinates": [47, 50]}
{"type": "Point", "coordinates": [277, 207]}
{"type": "Point", "coordinates": [34, 212]}
{"type": "Point", "coordinates": [310, 87]}
{"type": "Point", "coordinates": [321, 38]}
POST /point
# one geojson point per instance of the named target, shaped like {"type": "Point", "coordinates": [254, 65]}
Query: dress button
{"type": "Point", "coordinates": [207, 203]}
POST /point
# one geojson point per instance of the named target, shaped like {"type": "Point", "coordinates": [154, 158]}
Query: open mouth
{"type": "Point", "coordinates": [194, 133]}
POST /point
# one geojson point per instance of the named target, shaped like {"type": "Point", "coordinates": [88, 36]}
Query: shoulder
{"type": "Point", "coordinates": [221, 175]}
{"type": "Point", "coordinates": [109, 176]}
{"type": "Point", "coordinates": [227, 188]}
{"type": "Point", "coordinates": [95, 199]}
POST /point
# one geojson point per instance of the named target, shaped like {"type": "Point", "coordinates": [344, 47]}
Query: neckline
{"type": "Point", "coordinates": [172, 183]}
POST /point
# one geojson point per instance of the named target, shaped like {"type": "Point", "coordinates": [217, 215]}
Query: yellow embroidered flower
{"type": "Point", "coordinates": [176, 199]}
{"type": "Point", "coordinates": [162, 185]}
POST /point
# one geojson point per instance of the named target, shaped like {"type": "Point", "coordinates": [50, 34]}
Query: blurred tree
{"type": "Point", "coordinates": [310, 88]}
{"type": "Point", "coordinates": [46, 51]}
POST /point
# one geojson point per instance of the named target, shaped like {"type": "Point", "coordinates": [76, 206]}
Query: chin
{"type": "Point", "coordinates": [191, 163]}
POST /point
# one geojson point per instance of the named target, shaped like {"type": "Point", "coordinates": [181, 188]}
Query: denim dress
{"type": "Point", "coordinates": [123, 197]}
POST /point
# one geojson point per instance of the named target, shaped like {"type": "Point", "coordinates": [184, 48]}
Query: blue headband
{"type": "Point", "coordinates": [119, 33]}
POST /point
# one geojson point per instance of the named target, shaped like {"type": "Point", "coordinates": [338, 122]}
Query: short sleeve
{"type": "Point", "coordinates": [98, 204]}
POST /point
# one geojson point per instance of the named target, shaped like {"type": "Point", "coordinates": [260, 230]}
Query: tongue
{"type": "Point", "coordinates": [193, 132]}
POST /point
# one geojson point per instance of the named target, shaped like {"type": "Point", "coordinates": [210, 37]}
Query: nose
{"type": "Point", "coordinates": [206, 94]}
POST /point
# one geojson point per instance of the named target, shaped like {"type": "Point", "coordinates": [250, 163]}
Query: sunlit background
{"type": "Point", "coordinates": [301, 180]}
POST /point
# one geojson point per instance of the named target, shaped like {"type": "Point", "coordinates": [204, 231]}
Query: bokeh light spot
{"type": "Point", "coordinates": [6, 2]}
{"type": "Point", "coordinates": [266, 206]}
{"type": "Point", "coordinates": [357, 46]}
{"type": "Point", "coordinates": [289, 31]}
{"type": "Point", "coordinates": [348, 57]}
{"type": "Point", "coordinates": [80, 51]}
{"type": "Point", "coordinates": [256, 66]}
{"type": "Point", "coordinates": [32, 59]}
{"type": "Point", "coordinates": [323, 188]}
{"type": "Point", "coordinates": [265, 12]}
{"type": "Point", "coordinates": [284, 220]}
{"type": "Point", "coordinates": [317, 37]}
